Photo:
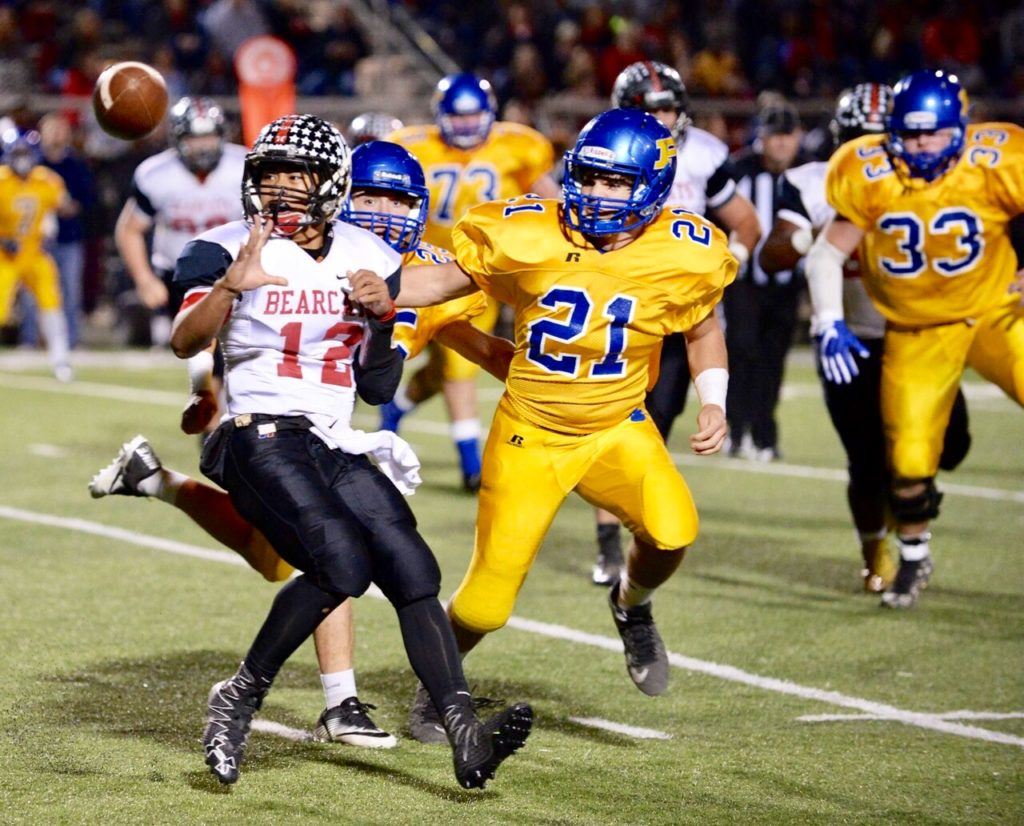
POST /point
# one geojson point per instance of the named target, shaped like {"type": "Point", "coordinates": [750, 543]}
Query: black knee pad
{"type": "Point", "coordinates": [920, 508]}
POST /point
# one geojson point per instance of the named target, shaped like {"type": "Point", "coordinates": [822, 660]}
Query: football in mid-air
{"type": "Point", "coordinates": [130, 100]}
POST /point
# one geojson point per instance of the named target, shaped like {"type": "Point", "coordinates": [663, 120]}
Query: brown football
{"type": "Point", "coordinates": [130, 100]}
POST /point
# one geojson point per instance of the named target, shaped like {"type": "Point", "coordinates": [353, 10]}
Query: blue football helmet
{"type": "Point", "coordinates": [21, 151]}
{"type": "Point", "coordinates": [464, 94]}
{"type": "Point", "coordinates": [628, 142]}
{"type": "Point", "coordinates": [923, 102]}
{"type": "Point", "coordinates": [388, 167]}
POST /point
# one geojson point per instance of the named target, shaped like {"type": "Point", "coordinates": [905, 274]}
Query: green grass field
{"type": "Point", "coordinates": [108, 645]}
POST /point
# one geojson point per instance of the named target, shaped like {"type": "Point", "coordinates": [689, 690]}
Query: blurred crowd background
{"type": "Point", "coordinates": [552, 63]}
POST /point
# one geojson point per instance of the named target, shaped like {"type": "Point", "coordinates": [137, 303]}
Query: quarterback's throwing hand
{"type": "Point", "coordinates": [836, 350]}
{"type": "Point", "coordinates": [370, 292]}
{"type": "Point", "coordinates": [713, 429]}
{"type": "Point", "coordinates": [246, 272]}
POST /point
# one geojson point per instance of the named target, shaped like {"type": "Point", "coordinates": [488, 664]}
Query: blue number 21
{"type": "Point", "coordinates": [619, 312]}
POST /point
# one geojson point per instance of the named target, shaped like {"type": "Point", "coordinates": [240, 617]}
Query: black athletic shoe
{"type": "Point", "coordinates": [350, 723]}
{"type": "Point", "coordinates": [646, 659]}
{"type": "Point", "coordinates": [911, 579]}
{"type": "Point", "coordinates": [478, 748]}
{"type": "Point", "coordinates": [471, 482]}
{"type": "Point", "coordinates": [135, 462]}
{"type": "Point", "coordinates": [230, 708]}
{"type": "Point", "coordinates": [424, 722]}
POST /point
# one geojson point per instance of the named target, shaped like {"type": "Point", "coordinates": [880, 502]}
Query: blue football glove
{"type": "Point", "coordinates": [836, 349]}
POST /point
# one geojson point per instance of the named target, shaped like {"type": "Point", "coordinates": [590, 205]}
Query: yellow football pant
{"type": "Point", "coordinates": [528, 472]}
{"type": "Point", "coordinates": [37, 271]}
{"type": "Point", "coordinates": [921, 370]}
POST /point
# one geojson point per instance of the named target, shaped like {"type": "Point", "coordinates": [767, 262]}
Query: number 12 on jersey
{"type": "Point", "coordinates": [545, 332]}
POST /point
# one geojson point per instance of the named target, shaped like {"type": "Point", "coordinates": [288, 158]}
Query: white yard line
{"type": "Point", "coordinates": [47, 451]}
{"type": "Point", "coordinates": [116, 392]}
{"type": "Point", "coordinates": [638, 732]}
{"type": "Point", "coordinates": [933, 722]}
{"type": "Point", "coordinates": [951, 715]}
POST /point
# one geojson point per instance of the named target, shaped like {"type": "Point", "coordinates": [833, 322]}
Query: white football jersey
{"type": "Point", "coordinates": [704, 178]}
{"type": "Point", "coordinates": [288, 350]}
{"type": "Point", "coordinates": [802, 202]}
{"type": "Point", "coordinates": [180, 205]}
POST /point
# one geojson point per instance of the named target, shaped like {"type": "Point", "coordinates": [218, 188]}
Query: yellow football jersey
{"type": "Point", "coordinates": [940, 252]}
{"type": "Point", "coordinates": [505, 165]}
{"type": "Point", "coordinates": [587, 323]}
{"type": "Point", "coordinates": [27, 205]}
{"type": "Point", "coordinates": [416, 328]}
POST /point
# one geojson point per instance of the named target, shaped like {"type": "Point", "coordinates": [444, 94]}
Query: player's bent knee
{"type": "Point", "coordinates": [481, 616]}
{"type": "Point", "coordinates": [919, 507]}
{"type": "Point", "coordinates": [670, 519]}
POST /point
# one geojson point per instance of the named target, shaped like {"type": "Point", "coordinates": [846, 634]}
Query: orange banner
{"type": "Point", "coordinates": [266, 83]}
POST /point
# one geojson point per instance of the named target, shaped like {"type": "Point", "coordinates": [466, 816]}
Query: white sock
{"type": "Point", "coordinates": [631, 594]}
{"type": "Point", "coordinates": [163, 485]}
{"type": "Point", "coordinates": [55, 328]}
{"type": "Point", "coordinates": [200, 372]}
{"type": "Point", "coordinates": [465, 429]}
{"type": "Point", "coordinates": [914, 548]}
{"type": "Point", "coordinates": [338, 687]}
{"type": "Point", "coordinates": [402, 400]}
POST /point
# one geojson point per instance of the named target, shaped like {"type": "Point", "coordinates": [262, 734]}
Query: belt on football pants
{"type": "Point", "coordinates": [280, 422]}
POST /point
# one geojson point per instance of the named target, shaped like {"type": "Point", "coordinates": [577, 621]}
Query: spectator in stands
{"type": "Point", "coordinates": [229, 23]}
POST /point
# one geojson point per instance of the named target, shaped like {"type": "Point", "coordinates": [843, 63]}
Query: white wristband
{"type": "Point", "coordinates": [712, 386]}
{"type": "Point", "coordinates": [824, 269]}
{"type": "Point", "coordinates": [739, 251]}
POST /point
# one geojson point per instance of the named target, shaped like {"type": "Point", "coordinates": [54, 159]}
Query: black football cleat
{"type": "Point", "coordinates": [350, 723]}
{"type": "Point", "coordinates": [230, 709]}
{"type": "Point", "coordinates": [134, 463]}
{"type": "Point", "coordinates": [911, 579]}
{"type": "Point", "coordinates": [478, 748]}
{"type": "Point", "coordinates": [646, 658]}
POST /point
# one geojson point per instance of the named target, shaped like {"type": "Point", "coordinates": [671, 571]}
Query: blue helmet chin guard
{"type": "Point", "coordinates": [388, 167]}
{"type": "Point", "coordinates": [625, 142]}
{"type": "Point", "coordinates": [926, 101]}
{"type": "Point", "coordinates": [21, 151]}
{"type": "Point", "coordinates": [464, 94]}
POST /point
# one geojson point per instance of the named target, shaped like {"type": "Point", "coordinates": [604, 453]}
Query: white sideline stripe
{"type": "Point", "coordinates": [724, 672]}
{"type": "Point", "coordinates": [621, 728]}
{"type": "Point", "coordinates": [281, 730]}
{"type": "Point", "coordinates": [164, 398]}
{"type": "Point", "coordinates": [952, 715]}
{"type": "Point", "coordinates": [48, 451]}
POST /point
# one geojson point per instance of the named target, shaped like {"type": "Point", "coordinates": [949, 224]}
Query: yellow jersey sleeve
{"type": "Point", "coordinates": [851, 169]}
{"type": "Point", "coordinates": [1000, 148]}
{"type": "Point", "coordinates": [479, 253]}
{"type": "Point", "coordinates": [706, 265]}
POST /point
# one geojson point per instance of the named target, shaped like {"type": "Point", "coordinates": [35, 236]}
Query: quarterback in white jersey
{"type": "Point", "coordinates": [855, 408]}
{"type": "Point", "coordinates": [296, 354]}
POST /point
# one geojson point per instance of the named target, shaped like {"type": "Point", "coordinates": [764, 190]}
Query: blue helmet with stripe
{"type": "Point", "coordinates": [389, 168]}
{"type": "Point", "coordinates": [626, 142]}
{"type": "Point", "coordinates": [927, 101]}
{"type": "Point", "coordinates": [464, 94]}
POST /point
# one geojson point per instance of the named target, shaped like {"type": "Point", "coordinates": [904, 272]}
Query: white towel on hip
{"type": "Point", "coordinates": [392, 454]}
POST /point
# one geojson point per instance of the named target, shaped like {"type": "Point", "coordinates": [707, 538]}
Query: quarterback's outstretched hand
{"type": "Point", "coordinates": [836, 350]}
{"type": "Point", "coordinates": [713, 430]}
{"type": "Point", "coordinates": [246, 272]}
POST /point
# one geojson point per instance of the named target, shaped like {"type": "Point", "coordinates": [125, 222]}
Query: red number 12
{"type": "Point", "coordinates": [333, 373]}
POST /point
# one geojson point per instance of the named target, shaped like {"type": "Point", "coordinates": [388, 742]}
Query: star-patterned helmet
{"type": "Point", "coordinates": [303, 143]}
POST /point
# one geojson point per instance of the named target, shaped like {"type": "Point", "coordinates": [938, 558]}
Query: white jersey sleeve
{"type": "Point", "coordinates": [802, 202]}
{"type": "Point", "coordinates": [289, 350]}
{"type": "Point", "coordinates": [802, 198]}
{"type": "Point", "coordinates": [180, 205]}
{"type": "Point", "coordinates": [704, 174]}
